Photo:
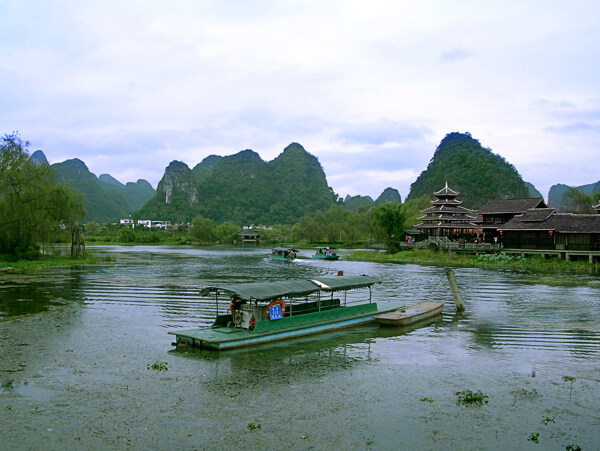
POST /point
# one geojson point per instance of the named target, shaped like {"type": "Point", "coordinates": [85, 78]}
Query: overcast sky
{"type": "Point", "coordinates": [368, 87]}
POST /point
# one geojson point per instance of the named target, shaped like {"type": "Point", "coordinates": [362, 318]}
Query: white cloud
{"type": "Point", "coordinates": [129, 86]}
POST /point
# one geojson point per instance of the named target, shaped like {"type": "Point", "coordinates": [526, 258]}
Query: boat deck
{"type": "Point", "coordinates": [288, 327]}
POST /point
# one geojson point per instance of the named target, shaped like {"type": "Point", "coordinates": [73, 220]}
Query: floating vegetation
{"type": "Point", "coordinates": [534, 437]}
{"type": "Point", "coordinates": [252, 426]}
{"type": "Point", "coordinates": [426, 399]}
{"type": "Point", "coordinates": [547, 420]}
{"type": "Point", "coordinates": [500, 258]}
{"type": "Point", "coordinates": [470, 397]}
{"type": "Point", "coordinates": [570, 379]}
{"type": "Point", "coordinates": [573, 448]}
{"type": "Point", "coordinates": [523, 393]}
{"type": "Point", "coordinates": [158, 366]}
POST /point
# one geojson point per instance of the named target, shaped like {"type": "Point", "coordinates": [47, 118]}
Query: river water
{"type": "Point", "coordinates": [77, 343]}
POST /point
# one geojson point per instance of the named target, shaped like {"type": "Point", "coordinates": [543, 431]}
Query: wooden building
{"type": "Point", "coordinates": [446, 217]}
{"type": "Point", "coordinates": [545, 228]}
{"type": "Point", "coordinates": [497, 212]}
{"type": "Point", "coordinates": [500, 211]}
{"type": "Point", "coordinates": [249, 236]}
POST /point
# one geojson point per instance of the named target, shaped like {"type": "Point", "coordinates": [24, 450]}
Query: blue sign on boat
{"type": "Point", "coordinates": [275, 312]}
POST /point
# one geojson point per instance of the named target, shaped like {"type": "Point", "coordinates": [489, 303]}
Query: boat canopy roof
{"type": "Point", "coordinates": [267, 291]}
{"type": "Point", "coordinates": [345, 282]}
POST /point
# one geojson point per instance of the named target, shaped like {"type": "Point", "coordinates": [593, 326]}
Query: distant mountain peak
{"type": "Point", "coordinates": [294, 147]}
{"type": "Point", "coordinates": [177, 180]}
{"type": "Point", "coordinates": [476, 172]}
{"type": "Point", "coordinates": [388, 195]}
{"type": "Point", "coordinates": [107, 178]}
{"type": "Point", "coordinates": [38, 158]}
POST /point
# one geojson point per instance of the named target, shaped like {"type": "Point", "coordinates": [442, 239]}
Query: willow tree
{"type": "Point", "coordinates": [388, 220]}
{"type": "Point", "coordinates": [33, 207]}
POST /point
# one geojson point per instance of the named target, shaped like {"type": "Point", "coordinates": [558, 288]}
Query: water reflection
{"type": "Point", "coordinates": [34, 292]}
{"type": "Point", "coordinates": [158, 288]}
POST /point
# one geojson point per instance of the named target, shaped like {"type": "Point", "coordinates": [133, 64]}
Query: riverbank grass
{"type": "Point", "coordinates": [45, 261]}
{"type": "Point", "coordinates": [438, 258]}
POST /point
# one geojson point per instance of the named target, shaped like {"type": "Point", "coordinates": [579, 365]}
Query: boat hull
{"type": "Point", "coordinates": [326, 257]}
{"type": "Point", "coordinates": [411, 315]}
{"type": "Point", "coordinates": [281, 258]}
{"type": "Point", "coordinates": [289, 327]}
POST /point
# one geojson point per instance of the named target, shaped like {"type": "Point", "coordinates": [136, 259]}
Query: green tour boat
{"type": "Point", "coordinates": [263, 312]}
{"type": "Point", "coordinates": [284, 253]}
{"type": "Point", "coordinates": [326, 253]}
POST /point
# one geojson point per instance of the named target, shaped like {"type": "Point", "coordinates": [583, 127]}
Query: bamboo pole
{"type": "Point", "coordinates": [455, 293]}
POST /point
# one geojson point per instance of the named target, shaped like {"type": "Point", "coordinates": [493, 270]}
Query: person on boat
{"type": "Point", "coordinates": [328, 252]}
{"type": "Point", "coordinates": [235, 304]}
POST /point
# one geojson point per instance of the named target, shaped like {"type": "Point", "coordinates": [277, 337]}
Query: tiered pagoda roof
{"type": "Point", "coordinates": [447, 213]}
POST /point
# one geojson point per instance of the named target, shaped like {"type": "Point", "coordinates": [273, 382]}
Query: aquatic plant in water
{"type": "Point", "coordinates": [252, 426]}
{"type": "Point", "coordinates": [471, 397]}
{"type": "Point", "coordinates": [158, 366]}
{"type": "Point", "coordinates": [534, 437]}
{"type": "Point", "coordinates": [570, 379]}
{"type": "Point", "coordinates": [426, 399]}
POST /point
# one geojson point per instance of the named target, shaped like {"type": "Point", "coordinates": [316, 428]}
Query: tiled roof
{"type": "Point", "coordinates": [448, 209]}
{"type": "Point", "coordinates": [445, 191]}
{"type": "Point", "coordinates": [447, 202]}
{"type": "Point", "coordinates": [537, 214]}
{"type": "Point", "coordinates": [559, 222]}
{"type": "Point", "coordinates": [516, 206]}
{"type": "Point", "coordinates": [445, 225]}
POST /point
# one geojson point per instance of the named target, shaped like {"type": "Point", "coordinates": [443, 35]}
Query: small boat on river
{"type": "Point", "coordinates": [263, 312]}
{"type": "Point", "coordinates": [410, 315]}
{"type": "Point", "coordinates": [326, 253]}
{"type": "Point", "coordinates": [284, 253]}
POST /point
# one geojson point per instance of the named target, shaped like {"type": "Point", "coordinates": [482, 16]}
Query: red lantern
{"type": "Point", "coordinates": [551, 232]}
{"type": "Point", "coordinates": [501, 231]}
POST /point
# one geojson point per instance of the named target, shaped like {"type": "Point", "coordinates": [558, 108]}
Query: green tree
{"type": "Point", "coordinates": [578, 201]}
{"type": "Point", "coordinates": [412, 210]}
{"type": "Point", "coordinates": [390, 220]}
{"type": "Point", "coordinates": [34, 208]}
{"type": "Point", "coordinates": [126, 235]}
{"type": "Point", "coordinates": [92, 228]}
{"type": "Point", "coordinates": [203, 230]}
{"type": "Point", "coordinates": [227, 232]}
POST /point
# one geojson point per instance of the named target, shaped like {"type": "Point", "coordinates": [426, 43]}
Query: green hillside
{"type": "Point", "coordinates": [105, 198]}
{"type": "Point", "coordinates": [477, 173]}
{"type": "Point", "coordinates": [243, 189]}
{"type": "Point", "coordinates": [558, 200]}
{"type": "Point", "coordinates": [101, 203]}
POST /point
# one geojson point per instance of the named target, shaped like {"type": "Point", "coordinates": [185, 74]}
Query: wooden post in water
{"type": "Point", "coordinates": [455, 293]}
